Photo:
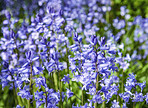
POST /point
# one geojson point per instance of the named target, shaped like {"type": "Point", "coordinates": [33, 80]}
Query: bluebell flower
{"type": "Point", "coordinates": [69, 93]}
{"type": "Point", "coordinates": [66, 78]}
{"type": "Point", "coordinates": [123, 61]}
{"type": "Point", "coordinates": [40, 98]}
{"type": "Point", "coordinates": [94, 40]}
{"type": "Point", "coordinates": [7, 75]}
{"type": "Point", "coordinates": [138, 97]}
{"type": "Point", "coordinates": [142, 85]}
{"type": "Point", "coordinates": [8, 15]}
{"type": "Point", "coordinates": [38, 18]}
{"type": "Point", "coordinates": [123, 10]}
{"type": "Point", "coordinates": [41, 81]}
{"type": "Point", "coordinates": [98, 99]}
{"type": "Point", "coordinates": [146, 98]}
{"type": "Point", "coordinates": [125, 96]}
{"type": "Point", "coordinates": [5, 65]}
{"type": "Point", "coordinates": [115, 104]}
{"type": "Point", "coordinates": [24, 74]}
{"type": "Point", "coordinates": [25, 94]}
{"type": "Point", "coordinates": [92, 90]}
{"type": "Point", "coordinates": [118, 24]}
{"type": "Point", "coordinates": [53, 99]}
{"type": "Point", "coordinates": [105, 2]}
{"type": "Point", "coordinates": [37, 70]}
{"type": "Point", "coordinates": [75, 106]}
{"type": "Point", "coordinates": [18, 106]}
{"type": "Point", "coordinates": [131, 82]}
{"type": "Point", "coordinates": [124, 105]}
{"type": "Point", "coordinates": [109, 87]}
{"type": "Point", "coordinates": [84, 106]}
{"type": "Point", "coordinates": [87, 79]}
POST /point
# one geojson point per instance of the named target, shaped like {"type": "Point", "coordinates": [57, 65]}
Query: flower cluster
{"type": "Point", "coordinates": [67, 54]}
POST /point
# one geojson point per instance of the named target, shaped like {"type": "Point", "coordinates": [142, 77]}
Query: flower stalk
{"type": "Point", "coordinates": [30, 84]}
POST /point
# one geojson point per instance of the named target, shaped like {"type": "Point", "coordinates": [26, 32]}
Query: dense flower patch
{"type": "Point", "coordinates": [72, 54]}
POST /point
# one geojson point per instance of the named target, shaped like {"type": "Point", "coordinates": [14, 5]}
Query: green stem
{"type": "Point", "coordinates": [14, 91]}
{"type": "Point", "coordinates": [104, 103]}
{"type": "Point", "coordinates": [46, 99]}
{"type": "Point", "coordinates": [134, 96]}
{"type": "Point", "coordinates": [61, 103]}
{"type": "Point", "coordinates": [60, 87]}
{"type": "Point", "coordinates": [122, 86]}
{"type": "Point", "coordinates": [82, 94]}
{"type": "Point", "coordinates": [68, 67]}
{"type": "Point", "coordinates": [134, 105]}
{"type": "Point", "coordinates": [29, 103]}
{"type": "Point", "coordinates": [82, 97]}
{"type": "Point", "coordinates": [122, 81]}
{"type": "Point", "coordinates": [97, 87]}
{"type": "Point", "coordinates": [77, 97]}
{"type": "Point", "coordinates": [30, 83]}
{"type": "Point", "coordinates": [97, 80]}
{"type": "Point", "coordinates": [107, 14]}
{"type": "Point", "coordinates": [17, 52]}
{"type": "Point", "coordinates": [81, 71]}
{"type": "Point", "coordinates": [55, 81]}
{"type": "Point", "coordinates": [15, 94]}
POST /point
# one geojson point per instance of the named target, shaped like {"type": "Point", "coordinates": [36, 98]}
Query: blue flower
{"type": "Point", "coordinates": [146, 98]}
{"type": "Point", "coordinates": [66, 78]}
{"type": "Point", "coordinates": [18, 106]}
{"type": "Point", "coordinates": [125, 96]}
{"type": "Point", "coordinates": [40, 98]}
{"type": "Point", "coordinates": [138, 97]}
{"type": "Point", "coordinates": [115, 104]}
{"type": "Point", "coordinates": [124, 105]}
{"type": "Point", "coordinates": [142, 85]}
{"type": "Point", "coordinates": [8, 15]}
{"type": "Point", "coordinates": [97, 98]}
{"type": "Point", "coordinates": [25, 94]}
{"type": "Point", "coordinates": [69, 93]}
{"type": "Point", "coordinates": [131, 82]}
{"type": "Point", "coordinates": [41, 81]}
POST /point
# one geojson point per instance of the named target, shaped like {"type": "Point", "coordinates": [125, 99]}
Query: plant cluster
{"type": "Point", "coordinates": [72, 54]}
